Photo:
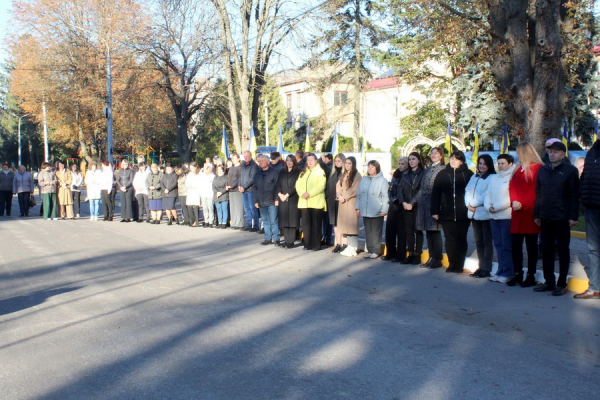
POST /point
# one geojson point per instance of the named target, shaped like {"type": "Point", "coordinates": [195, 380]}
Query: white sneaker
{"type": "Point", "coordinates": [494, 278]}
{"type": "Point", "coordinates": [95, 218]}
{"type": "Point", "coordinates": [55, 219]}
{"type": "Point", "coordinates": [374, 256]}
{"type": "Point", "coordinates": [91, 218]}
{"type": "Point", "coordinates": [502, 279]}
{"type": "Point", "coordinates": [349, 252]}
{"type": "Point", "coordinates": [367, 255]}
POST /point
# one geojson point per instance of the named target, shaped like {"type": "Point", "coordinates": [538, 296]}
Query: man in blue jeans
{"type": "Point", "coordinates": [589, 189]}
{"type": "Point", "coordinates": [248, 189]}
{"type": "Point", "coordinates": [266, 199]}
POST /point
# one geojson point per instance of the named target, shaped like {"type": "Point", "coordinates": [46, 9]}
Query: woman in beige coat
{"type": "Point", "coordinates": [64, 199]}
{"type": "Point", "coordinates": [347, 220]}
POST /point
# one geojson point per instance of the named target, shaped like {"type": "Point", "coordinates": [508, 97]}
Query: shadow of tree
{"type": "Point", "coordinates": [18, 303]}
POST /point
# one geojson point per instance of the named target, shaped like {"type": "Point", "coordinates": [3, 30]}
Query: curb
{"type": "Point", "coordinates": [578, 235]}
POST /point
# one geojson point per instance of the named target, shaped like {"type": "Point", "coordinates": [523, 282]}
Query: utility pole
{"type": "Point", "coordinates": [46, 155]}
{"type": "Point", "coordinates": [266, 124]}
{"type": "Point", "coordinates": [20, 138]}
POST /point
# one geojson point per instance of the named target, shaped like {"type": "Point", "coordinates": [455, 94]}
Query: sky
{"type": "Point", "coordinates": [5, 6]}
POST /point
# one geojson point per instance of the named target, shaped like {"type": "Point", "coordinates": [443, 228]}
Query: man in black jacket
{"type": "Point", "coordinates": [266, 200]}
{"type": "Point", "coordinates": [124, 184]}
{"type": "Point", "coordinates": [248, 189]}
{"type": "Point", "coordinates": [556, 210]}
{"type": "Point", "coordinates": [590, 197]}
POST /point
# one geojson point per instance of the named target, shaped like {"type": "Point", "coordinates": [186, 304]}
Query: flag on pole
{"type": "Point", "coordinates": [448, 140]}
{"type": "Point", "coordinates": [334, 142]}
{"type": "Point", "coordinates": [475, 156]}
{"type": "Point", "coordinates": [505, 141]}
{"type": "Point", "coordinates": [280, 144]}
{"type": "Point", "coordinates": [224, 145]}
{"type": "Point", "coordinates": [307, 140]}
{"type": "Point", "coordinates": [565, 138]}
{"type": "Point", "coordinates": [252, 144]}
{"type": "Point", "coordinates": [595, 131]}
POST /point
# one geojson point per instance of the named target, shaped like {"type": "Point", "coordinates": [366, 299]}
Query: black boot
{"type": "Point", "coordinates": [435, 264]}
{"type": "Point", "coordinates": [408, 260]}
{"type": "Point", "coordinates": [427, 263]}
{"type": "Point", "coordinates": [417, 259]}
{"type": "Point", "coordinates": [517, 279]}
{"type": "Point", "coordinates": [529, 281]}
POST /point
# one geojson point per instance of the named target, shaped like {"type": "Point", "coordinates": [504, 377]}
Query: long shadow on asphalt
{"type": "Point", "coordinates": [18, 303]}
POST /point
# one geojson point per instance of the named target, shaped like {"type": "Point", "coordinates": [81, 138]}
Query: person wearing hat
{"type": "Point", "coordinates": [556, 210]}
{"type": "Point", "coordinates": [7, 177]}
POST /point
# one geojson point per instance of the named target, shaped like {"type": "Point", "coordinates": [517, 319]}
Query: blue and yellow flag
{"type": "Point", "coordinates": [475, 156]}
{"type": "Point", "coordinates": [280, 144]}
{"type": "Point", "coordinates": [448, 140]}
{"type": "Point", "coordinates": [595, 137]}
{"type": "Point", "coordinates": [252, 144]}
{"type": "Point", "coordinates": [224, 146]}
{"type": "Point", "coordinates": [565, 138]}
{"type": "Point", "coordinates": [505, 141]}
{"type": "Point", "coordinates": [334, 142]}
{"type": "Point", "coordinates": [307, 140]}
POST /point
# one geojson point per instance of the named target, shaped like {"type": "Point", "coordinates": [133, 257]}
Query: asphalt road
{"type": "Point", "coordinates": [107, 310]}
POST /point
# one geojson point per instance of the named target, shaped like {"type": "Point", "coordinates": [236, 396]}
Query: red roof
{"type": "Point", "coordinates": [383, 82]}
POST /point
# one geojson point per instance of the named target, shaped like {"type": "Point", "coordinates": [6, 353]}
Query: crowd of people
{"type": "Point", "coordinates": [321, 199]}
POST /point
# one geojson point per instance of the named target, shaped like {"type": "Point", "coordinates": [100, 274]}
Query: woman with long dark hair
{"type": "Point", "coordinates": [448, 206]}
{"type": "Point", "coordinates": [347, 227]}
{"type": "Point", "coordinates": [330, 194]}
{"type": "Point", "coordinates": [424, 221]}
{"type": "Point", "coordinates": [395, 235]}
{"type": "Point", "coordinates": [480, 217]}
{"type": "Point", "coordinates": [289, 216]}
{"type": "Point", "coordinates": [410, 186]}
{"type": "Point", "coordinates": [311, 187]}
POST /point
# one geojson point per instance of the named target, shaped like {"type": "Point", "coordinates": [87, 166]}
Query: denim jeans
{"type": "Point", "coordinates": [223, 212]}
{"type": "Point", "coordinates": [250, 210]}
{"type": "Point", "coordinates": [503, 244]}
{"type": "Point", "coordinates": [592, 233]}
{"type": "Point", "coordinates": [94, 207]}
{"type": "Point", "coordinates": [270, 222]}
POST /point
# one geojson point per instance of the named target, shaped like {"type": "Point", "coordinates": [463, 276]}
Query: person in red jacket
{"type": "Point", "coordinates": [523, 226]}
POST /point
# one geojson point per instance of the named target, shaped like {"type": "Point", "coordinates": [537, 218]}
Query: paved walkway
{"type": "Point", "coordinates": [105, 310]}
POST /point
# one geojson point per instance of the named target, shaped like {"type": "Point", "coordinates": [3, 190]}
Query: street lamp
{"type": "Point", "coordinates": [20, 137]}
{"type": "Point", "coordinates": [108, 111]}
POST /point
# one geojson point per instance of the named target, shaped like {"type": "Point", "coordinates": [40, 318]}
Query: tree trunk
{"type": "Point", "coordinates": [235, 127]}
{"type": "Point", "coordinates": [357, 79]}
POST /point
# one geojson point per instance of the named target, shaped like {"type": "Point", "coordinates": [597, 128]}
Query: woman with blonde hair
{"type": "Point", "coordinates": [522, 226]}
{"type": "Point", "coordinates": [64, 198]}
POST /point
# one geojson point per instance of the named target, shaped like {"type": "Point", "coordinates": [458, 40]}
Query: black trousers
{"type": "Point", "coordinates": [126, 203]}
{"type": "Point", "coordinates": [194, 212]}
{"type": "Point", "coordinates": [107, 204]}
{"type": "Point", "coordinates": [5, 201]}
{"type": "Point", "coordinates": [556, 235]}
{"type": "Point", "coordinates": [143, 207]}
{"type": "Point", "coordinates": [312, 220]}
{"type": "Point", "coordinates": [482, 231]}
{"type": "Point", "coordinates": [455, 233]}
{"type": "Point", "coordinates": [395, 234]}
{"type": "Point", "coordinates": [24, 203]}
{"type": "Point", "coordinates": [373, 233]}
{"type": "Point", "coordinates": [184, 209]}
{"type": "Point", "coordinates": [517, 252]}
{"type": "Point", "coordinates": [434, 245]}
{"type": "Point", "coordinates": [289, 234]}
{"type": "Point", "coordinates": [414, 238]}
{"type": "Point", "coordinates": [76, 202]}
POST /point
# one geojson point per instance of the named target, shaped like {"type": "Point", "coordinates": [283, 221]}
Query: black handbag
{"type": "Point", "coordinates": [32, 201]}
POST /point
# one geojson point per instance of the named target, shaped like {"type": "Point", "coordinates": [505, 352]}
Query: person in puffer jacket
{"type": "Point", "coordinates": [497, 202]}
{"type": "Point", "coordinates": [372, 205]}
{"type": "Point", "coordinates": [480, 216]}
{"type": "Point", "coordinates": [448, 206]}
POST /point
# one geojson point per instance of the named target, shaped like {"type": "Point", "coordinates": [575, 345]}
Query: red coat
{"type": "Point", "coordinates": [523, 191]}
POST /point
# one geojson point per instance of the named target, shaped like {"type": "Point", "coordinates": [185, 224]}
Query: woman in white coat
{"type": "Point", "coordinates": [193, 182]}
{"type": "Point", "coordinates": [207, 195]}
{"type": "Point", "coordinates": [480, 216]}
{"type": "Point", "coordinates": [93, 183]}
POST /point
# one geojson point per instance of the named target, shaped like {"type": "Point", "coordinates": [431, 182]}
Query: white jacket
{"type": "Point", "coordinates": [475, 196]}
{"type": "Point", "coordinates": [139, 181]}
{"type": "Point", "coordinates": [108, 177]}
{"type": "Point", "coordinates": [193, 182]}
{"type": "Point", "coordinates": [93, 180]}
{"type": "Point", "coordinates": [206, 189]}
{"type": "Point", "coordinates": [76, 181]}
{"type": "Point", "coordinates": [498, 196]}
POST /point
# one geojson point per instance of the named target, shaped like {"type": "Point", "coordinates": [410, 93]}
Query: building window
{"type": "Point", "coordinates": [340, 98]}
{"type": "Point", "coordinates": [288, 101]}
{"type": "Point", "coordinates": [298, 100]}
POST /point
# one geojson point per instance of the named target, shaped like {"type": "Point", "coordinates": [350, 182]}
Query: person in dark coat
{"type": "Point", "coordinates": [168, 187]}
{"type": "Point", "coordinates": [266, 200]}
{"type": "Point", "coordinates": [330, 195]}
{"type": "Point", "coordinates": [236, 200]}
{"type": "Point", "coordinates": [556, 210]}
{"type": "Point", "coordinates": [395, 232]}
{"type": "Point", "coordinates": [276, 162]}
{"type": "Point", "coordinates": [424, 221]}
{"type": "Point", "coordinates": [300, 160]}
{"type": "Point", "coordinates": [409, 187]}
{"type": "Point", "coordinates": [289, 216]}
{"type": "Point", "coordinates": [221, 197]}
{"type": "Point", "coordinates": [448, 206]}
{"type": "Point", "coordinates": [124, 184]}
{"type": "Point", "coordinates": [248, 190]}
{"type": "Point", "coordinates": [6, 189]}
{"type": "Point", "coordinates": [589, 190]}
